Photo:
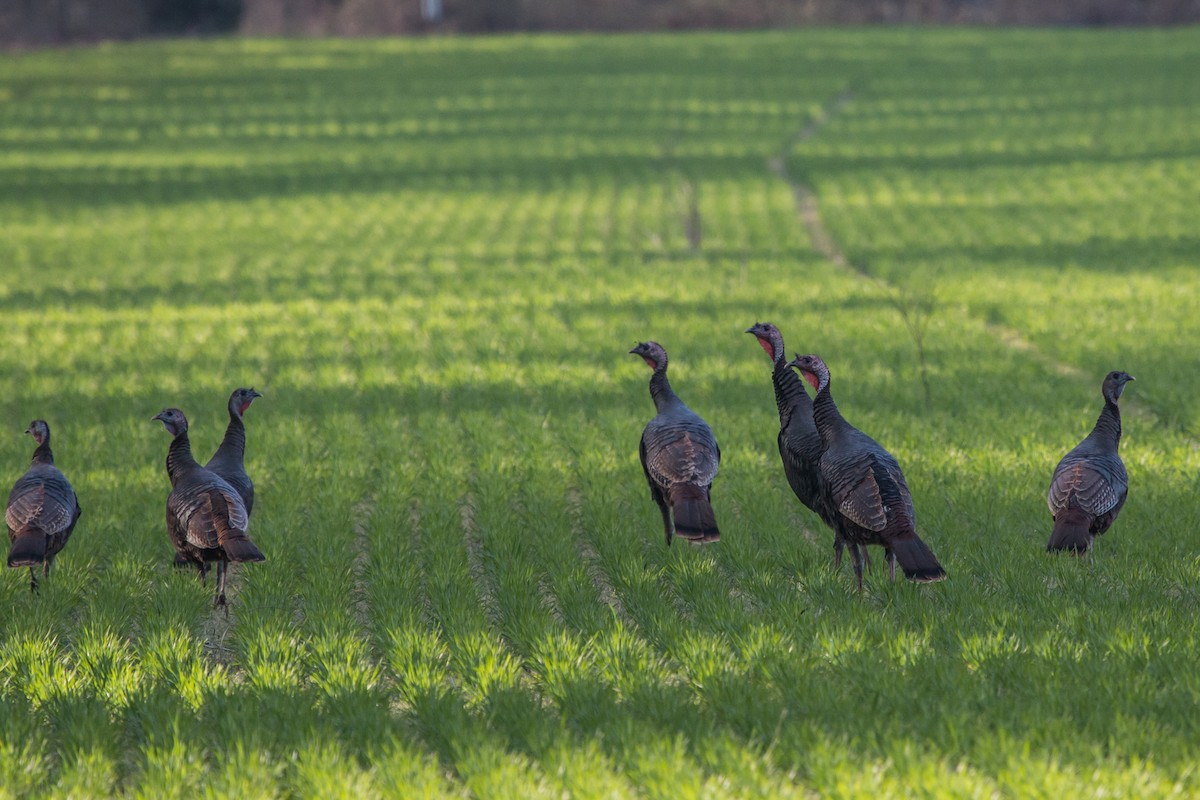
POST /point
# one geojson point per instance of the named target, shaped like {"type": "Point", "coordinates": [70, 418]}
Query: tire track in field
{"type": "Point", "coordinates": [550, 602]}
{"type": "Point", "coordinates": [481, 576]}
{"type": "Point", "coordinates": [805, 198]}
{"type": "Point", "coordinates": [545, 592]}
{"type": "Point", "coordinates": [218, 626]}
{"type": "Point", "coordinates": [807, 206]}
{"type": "Point", "coordinates": [591, 558]}
{"type": "Point", "coordinates": [809, 211]}
{"type": "Point", "coordinates": [417, 536]}
{"type": "Point", "coordinates": [360, 520]}
{"type": "Point", "coordinates": [216, 630]}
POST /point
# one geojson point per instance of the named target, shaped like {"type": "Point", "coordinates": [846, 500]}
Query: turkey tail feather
{"type": "Point", "coordinates": [235, 543]}
{"type": "Point", "coordinates": [1071, 532]}
{"type": "Point", "coordinates": [694, 518]}
{"type": "Point", "coordinates": [916, 559]}
{"type": "Point", "coordinates": [239, 548]}
{"type": "Point", "coordinates": [28, 548]}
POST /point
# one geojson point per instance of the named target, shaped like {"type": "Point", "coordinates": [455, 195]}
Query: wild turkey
{"type": "Point", "coordinates": [864, 489]}
{"type": "Point", "coordinates": [799, 442]}
{"type": "Point", "coordinates": [1090, 484]}
{"type": "Point", "coordinates": [229, 460]}
{"type": "Point", "coordinates": [42, 509]}
{"type": "Point", "coordinates": [206, 518]}
{"type": "Point", "coordinates": [679, 456]}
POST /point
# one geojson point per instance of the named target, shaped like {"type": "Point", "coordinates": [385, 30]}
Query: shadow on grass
{"type": "Point", "coordinates": [1095, 254]}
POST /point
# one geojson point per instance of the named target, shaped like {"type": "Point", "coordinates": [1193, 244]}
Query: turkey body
{"type": "Point", "coordinates": [679, 456]}
{"type": "Point", "coordinates": [207, 520]}
{"type": "Point", "coordinates": [864, 488]}
{"type": "Point", "coordinates": [1089, 486]}
{"type": "Point", "coordinates": [42, 510]}
{"type": "Point", "coordinates": [799, 442]}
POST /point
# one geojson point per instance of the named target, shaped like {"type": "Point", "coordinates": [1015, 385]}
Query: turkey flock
{"type": "Point", "coordinates": [208, 509]}
{"type": "Point", "coordinates": [836, 470]}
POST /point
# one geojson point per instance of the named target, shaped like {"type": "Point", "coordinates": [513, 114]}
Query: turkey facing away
{"type": "Point", "coordinates": [42, 509]}
{"type": "Point", "coordinates": [229, 460]}
{"type": "Point", "coordinates": [867, 496]}
{"type": "Point", "coordinates": [679, 456]}
{"type": "Point", "coordinates": [206, 518]}
{"type": "Point", "coordinates": [1090, 484]}
{"type": "Point", "coordinates": [799, 442]}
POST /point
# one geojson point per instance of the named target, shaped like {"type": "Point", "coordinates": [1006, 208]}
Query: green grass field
{"type": "Point", "coordinates": [432, 256]}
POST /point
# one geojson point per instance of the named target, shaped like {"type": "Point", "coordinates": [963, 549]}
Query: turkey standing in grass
{"type": "Point", "coordinates": [1090, 484]}
{"type": "Point", "coordinates": [206, 517]}
{"type": "Point", "coordinates": [229, 460]}
{"type": "Point", "coordinates": [42, 509]}
{"type": "Point", "coordinates": [864, 489]}
{"type": "Point", "coordinates": [679, 456]}
{"type": "Point", "coordinates": [799, 442]}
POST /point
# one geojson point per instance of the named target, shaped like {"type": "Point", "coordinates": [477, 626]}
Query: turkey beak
{"type": "Point", "coordinates": [253, 393]}
{"type": "Point", "coordinates": [748, 330]}
{"type": "Point", "coordinates": [634, 352]}
{"type": "Point", "coordinates": [158, 417]}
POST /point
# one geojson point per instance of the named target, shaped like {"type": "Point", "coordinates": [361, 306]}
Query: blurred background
{"type": "Point", "coordinates": [42, 22]}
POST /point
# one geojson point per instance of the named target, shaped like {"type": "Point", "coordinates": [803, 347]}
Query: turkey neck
{"type": "Point", "coordinates": [233, 446]}
{"type": "Point", "coordinates": [827, 418]}
{"type": "Point", "coordinates": [1108, 426]}
{"type": "Point", "coordinates": [179, 457]}
{"type": "Point", "coordinates": [789, 391]}
{"type": "Point", "coordinates": [42, 454]}
{"type": "Point", "coordinates": [660, 390]}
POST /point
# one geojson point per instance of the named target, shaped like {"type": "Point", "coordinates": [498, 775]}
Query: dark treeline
{"type": "Point", "coordinates": [33, 22]}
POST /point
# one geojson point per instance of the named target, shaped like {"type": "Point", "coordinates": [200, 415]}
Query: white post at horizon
{"type": "Point", "coordinates": [431, 10]}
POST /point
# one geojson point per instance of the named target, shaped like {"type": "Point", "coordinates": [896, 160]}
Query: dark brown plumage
{"type": "Point", "coordinates": [206, 517]}
{"type": "Point", "coordinates": [42, 509]}
{"type": "Point", "coordinates": [799, 442]}
{"type": "Point", "coordinates": [864, 489]}
{"type": "Point", "coordinates": [1090, 484]}
{"type": "Point", "coordinates": [680, 457]}
{"type": "Point", "coordinates": [229, 460]}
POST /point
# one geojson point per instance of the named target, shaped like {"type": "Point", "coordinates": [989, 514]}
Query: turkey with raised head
{"type": "Point", "coordinates": [799, 442]}
{"type": "Point", "coordinates": [864, 489]}
{"type": "Point", "coordinates": [229, 460]}
{"type": "Point", "coordinates": [42, 509]}
{"type": "Point", "coordinates": [1090, 484]}
{"type": "Point", "coordinates": [206, 517]}
{"type": "Point", "coordinates": [679, 456]}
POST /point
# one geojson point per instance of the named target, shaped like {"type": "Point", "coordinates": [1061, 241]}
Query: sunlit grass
{"type": "Point", "coordinates": [431, 256]}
